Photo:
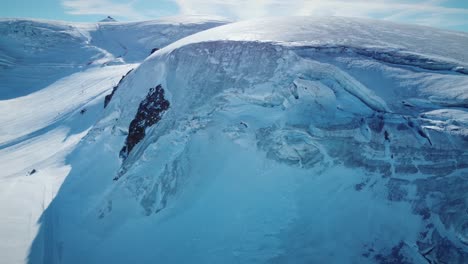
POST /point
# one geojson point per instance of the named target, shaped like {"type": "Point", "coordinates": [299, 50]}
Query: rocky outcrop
{"type": "Point", "coordinates": [108, 97]}
{"type": "Point", "coordinates": [149, 113]}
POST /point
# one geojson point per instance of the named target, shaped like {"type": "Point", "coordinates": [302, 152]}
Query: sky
{"type": "Point", "coordinates": [449, 14]}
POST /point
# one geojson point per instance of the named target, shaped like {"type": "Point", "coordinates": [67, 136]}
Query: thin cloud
{"type": "Point", "coordinates": [429, 12]}
{"type": "Point", "coordinates": [425, 12]}
{"type": "Point", "coordinates": [102, 7]}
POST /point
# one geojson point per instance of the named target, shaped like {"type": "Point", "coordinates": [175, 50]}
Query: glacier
{"type": "Point", "coordinates": [54, 78]}
{"type": "Point", "coordinates": [275, 140]}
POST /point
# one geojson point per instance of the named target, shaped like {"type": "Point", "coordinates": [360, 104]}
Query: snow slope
{"type": "Point", "coordinates": [35, 53]}
{"type": "Point", "coordinates": [54, 77]}
{"type": "Point", "coordinates": [292, 140]}
{"type": "Point", "coordinates": [289, 140]}
{"type": "Point", "coordinates": [38, 132]}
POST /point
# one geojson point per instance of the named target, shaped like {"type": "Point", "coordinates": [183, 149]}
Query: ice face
{"type": "Point", "coordinates": [247, 116]}
{"type": "Point", "coordinates": [285, 142]}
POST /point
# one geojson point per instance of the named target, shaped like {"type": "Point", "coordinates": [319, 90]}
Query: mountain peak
{"type": "Point", "coordinates": [108, 19]}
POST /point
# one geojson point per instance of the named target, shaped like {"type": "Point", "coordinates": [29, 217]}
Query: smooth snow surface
{"type": "Point", "coordinates": [336, 32]}
{"type": "Point", "coordinates": [287, 140]}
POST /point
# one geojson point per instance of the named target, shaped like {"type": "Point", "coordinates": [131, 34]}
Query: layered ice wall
{"type": "Point", "coordinates": [293, 140]}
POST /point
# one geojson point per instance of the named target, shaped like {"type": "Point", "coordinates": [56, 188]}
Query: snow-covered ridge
{"type": "Point", "coordinates": [389, 43]}
{"type": "Point", "coordinates": [39, 52]}
{"type": "Point", "coordinates": [54, 77]}
{"type": "Point", "coordinates": [340, 31]}
{"type": "Point", "coordinates": [108, 19]}
{"type": "Point", "coordinates": [277, 130]}
{"type": "Point", "coordinates": [46, 35]}
{"type": "Point", "coordinates": [286, 140]}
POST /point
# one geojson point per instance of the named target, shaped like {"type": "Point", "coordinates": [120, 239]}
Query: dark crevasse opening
{"type": "Point", "coordinates": [149, 113]}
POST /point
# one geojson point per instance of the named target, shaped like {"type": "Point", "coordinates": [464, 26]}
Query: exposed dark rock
{"type": "Point", "coordinates": [83, 111]}
{"type": "Point", "coordinates": [376, 124]}
{"type": "Point", "coordinates": [422, 210]}
{"type": "Point", "coordinates": [32, 172]}
{"type": "Point", "coordinates": [441, 169]}
{"type": "Point", "coordinates": [406, 169]}
{"type": "Point", "coordinates": [387, 135]}
{"type": "Point", "coordinates": [450, 206]}
{"type": "Point", "coordinates": [357, 160]}
{"type": "Point", "coordinates": [106, 210]}
{"type": "Point", "coordinates": [442, 250]}
{"type": "Point", "coordinates": [397, 190]}
{"type": "Point", "coordinates": [108, 97]}
{"type": "Point", "coordinates": [402, 127]}
{"type": "Point", "coordinates": [369, 251]}
{"type": "Point", "coordinates": [407, 104]}
{"type": "Point", "coordinates": [394, 257]}
{"type": "Point", "coordinates": [149, 113]}
{"type": "Point", "coordinates": [359, 186]}
{"type": "Point", "coordinates": [294, 92]}
{"type": "Point", "coordinates": [154, 50]}
{"type": "Point", "coordinates": [423, 234]}
{"type": "Point", "coordinates": [351, 155]}
{"type": "Point", "coordinates": [424, 135]}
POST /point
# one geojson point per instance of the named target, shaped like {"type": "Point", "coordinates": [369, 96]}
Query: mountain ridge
{"type": "Point", "coordinates": [266, 134]}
